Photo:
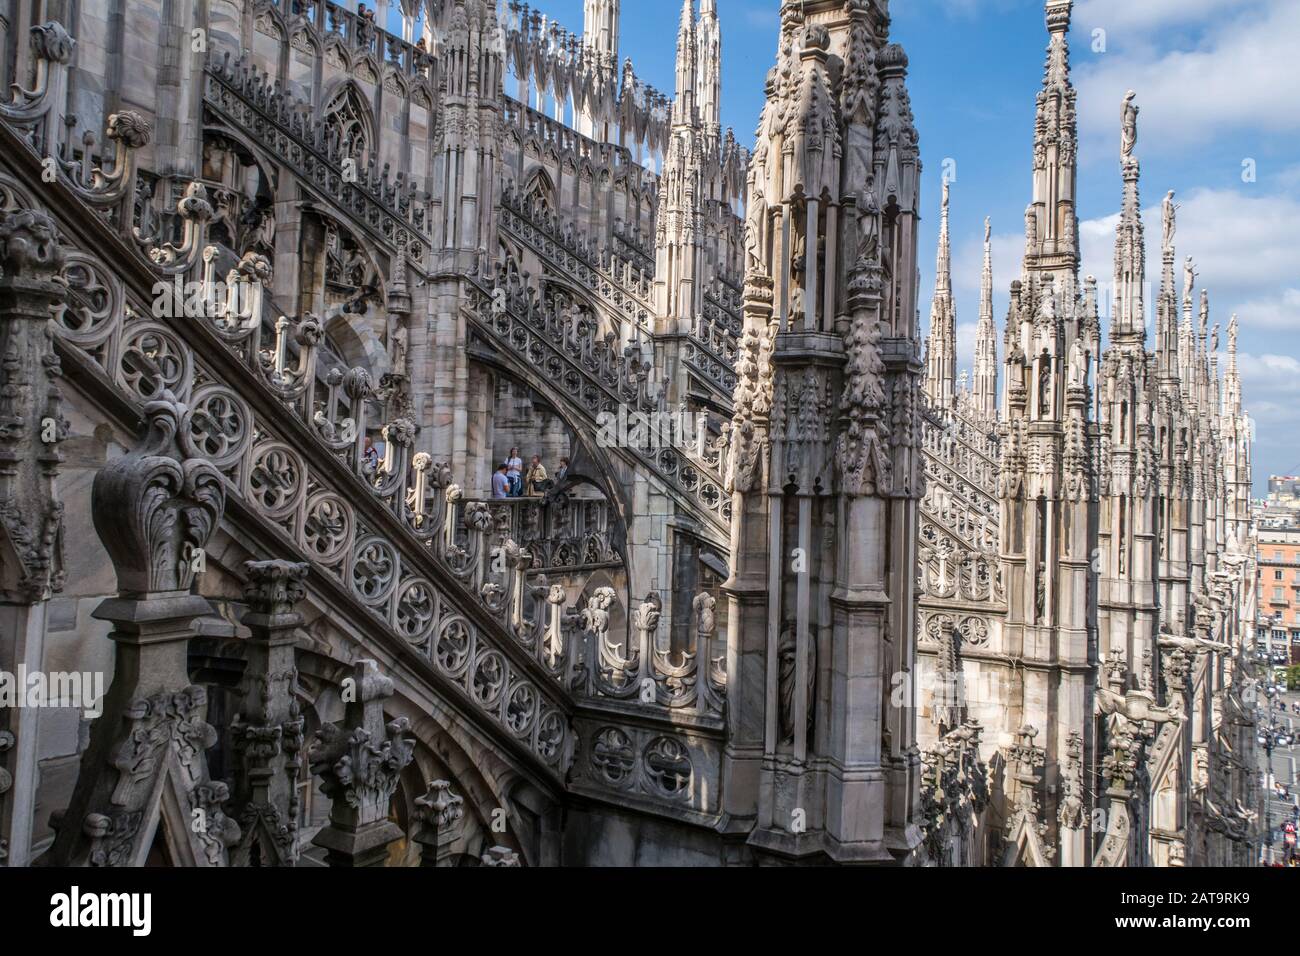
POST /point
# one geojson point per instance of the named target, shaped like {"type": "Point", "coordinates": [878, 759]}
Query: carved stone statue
{"type": "Point", "coordinates": [787, 656]}
{"type": "Point", "coordinates": [868, 225]}
{"type": "Point", "coordinates": [1016, 367]}
{"type": "Point", "coordinates": [397, 351]}
{"type": "Point", "coordinates": [1040, 592]}
{"type": "Point", "coordinates": [1045, 384]}
{"type": "Point", "coordinates": [754, 226]}
{"type": "Point", "coordinates": [1078, 372]}
{"type": "Point", "coordinates": [1129, 127]}
{"type": "Point", "coordinates": [1168, 209]}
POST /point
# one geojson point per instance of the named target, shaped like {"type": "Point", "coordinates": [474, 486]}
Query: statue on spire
{"type": "Point", "coordinates": [1129, 128]}
{"type": "Point", "coordinates": [1189, 278]}
{"type": "Point", "coordinates": [1169, 210]}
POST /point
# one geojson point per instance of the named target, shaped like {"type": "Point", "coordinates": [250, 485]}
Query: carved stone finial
{"type": "Point", "coordinates": [130, 129]}
{"type": "Point", "coordinates": [439, 805]}
{"type": "Point", "coordinates": [359, 763]}
{"type": "Point", "coordinates": [275, 587]}
{"type": "Point", "coordinates": [1071, 811]}
{"type": "Point", "coordinates": [268, 731]}
{"type": "Point", "coordinates": [501, 856]}
{"type": "Point", "coordinates": [156, 508]}
{"type": "Point", "coordinates": [705, 617]}
{"type": "Point", "coordinates": [437, 812]}
{"type": "Point", "coordinates": [29, 246]}
{"type": "Point", "coordinates": [51, 42]}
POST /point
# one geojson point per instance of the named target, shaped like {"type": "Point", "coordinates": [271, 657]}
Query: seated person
{"type": "Point", "coordinates": [500, 483]}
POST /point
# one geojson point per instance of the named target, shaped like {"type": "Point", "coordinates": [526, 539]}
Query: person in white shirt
{"type": "Point", "coordinates": [515, 473]}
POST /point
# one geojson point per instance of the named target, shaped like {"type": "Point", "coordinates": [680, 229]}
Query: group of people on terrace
{"type": "Point", "coordinates": [512, 480]}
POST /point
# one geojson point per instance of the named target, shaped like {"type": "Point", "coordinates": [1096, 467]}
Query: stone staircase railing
{"type": "Point", "coordinates": [966, 447]}
{"type": "Point", "coordinates": [559, 533]}
{"type": "Point", "coordinates": [550, 134]}
{"type": "Point", "coordinates": [561, 63]}
{"type": "Point", "coordinates": [714, 361]}
{"type": "Point", "coordinates": [384, 537]}
{"type": "Point", "coordinates": [391, 209]}
{"type": "Point", "coordinates": [395, 548]}
{"type": "Point", "coordinates": [612, 279]}
{"type": "Point", "coordinates": [606, 388]}
{"type": "Point", "coordinates": [723, 310]}
{"type": "Point", "coordinates": [959, 504]}
{"type": "Point", "coordinates": [624, 286]}
{"type": "Point", "coordinates": [960, 514]}
{"type": "Point", "coordinates": [957, 570]}
{"type": "Point", "coordinates": [364, 36]}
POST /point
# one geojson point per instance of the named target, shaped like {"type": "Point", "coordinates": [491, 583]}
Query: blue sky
{"type": "Point", "coordinates": [1217, 84]}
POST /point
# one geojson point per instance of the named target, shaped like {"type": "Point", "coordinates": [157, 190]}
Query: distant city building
{"type": "Point", "coordinates": [1281, 509]}
{"type": "Point", "coordinates": [1279, 591]}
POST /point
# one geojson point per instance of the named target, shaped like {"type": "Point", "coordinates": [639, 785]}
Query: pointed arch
{"type": "Point", "coordinates": [348, 116]}
{"type": "Point", "coordinates": [539, 190]}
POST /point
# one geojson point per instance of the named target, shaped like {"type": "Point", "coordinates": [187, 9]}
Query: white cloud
{"type": "Point", "coordinates": [1245, 250]}
{"type": "Point", "coordinates": [1271, 390]}
{"type": "Point", "coordinates": [1280, 311]}
{"type": "Point", "coordinates": [1238, 76]}
{"type": "Point", "coordinates": [1122, 15]}
{"type": "Point", "coordinates": [1244, 246]}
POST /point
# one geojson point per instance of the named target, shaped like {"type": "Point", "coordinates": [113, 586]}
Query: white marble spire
{"type": "Point", "coordinates": [1128, 322]}
{"type": "Point", "coordinates": [1231, 376]}
{"type": "Point", "coordinates": [941, 370]}
{"type": "Point", "coordinates": [600, 26]}
{"type": "Point", "coordinates": [1052, 241]}
{"type": "Point", "coordinates": [1167, 300]}
{"type": "Point", "coordinates": [986, 347]}
{"type": "Point", "coordinates": [708, 84]}
{"type": "Point", "coordinates": [685, 105]}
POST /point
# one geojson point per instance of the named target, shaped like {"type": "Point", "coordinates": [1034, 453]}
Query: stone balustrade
{"type": "Point", "coordinates": [391, 538]}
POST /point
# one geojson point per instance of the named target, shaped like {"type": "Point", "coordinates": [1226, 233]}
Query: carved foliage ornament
{"type": "Point", "coordinates": [156, 508]}
{"type": "Point", "coordinates": [31, 420]}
